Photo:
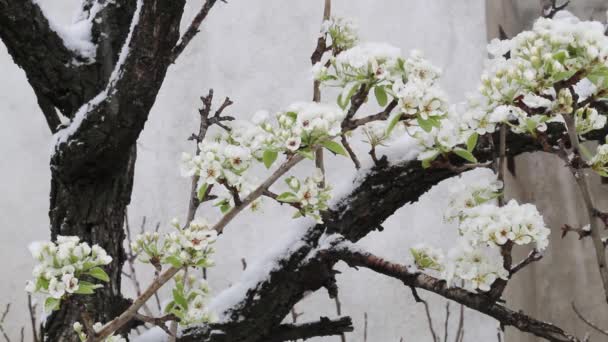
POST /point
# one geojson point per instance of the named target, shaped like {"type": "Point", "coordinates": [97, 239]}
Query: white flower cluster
{"type": "Point", "coordinates": [479, 267]}
{"type": "Point", "coordinates": [588, 119]}
{"type": "Point", "coordinates": [309, 198]}
{"type": "Point", "coordinates": [493, 225]}
{"type": "Point", "coordinates": [482, 226]}
{"type": "Point", "coordinates": [78, 328]}
{"type": "Point", "coordinates": [190, 246]}
{"type": "Point", "coordinates": [599, 162]}
{"type": "Point", "coordinates": [225, 159]}
{"type": "Point", "coordinates": [61, 267]}
{"type": "Point", "coordinates": [189, 302]}
{"type": "Point", "coordinates": [342, 33]}
{"type": "Point", "coordinates": [520, 89]}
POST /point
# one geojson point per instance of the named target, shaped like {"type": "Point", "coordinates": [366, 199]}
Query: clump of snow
{"type": "Point", "coordinates": [154, 334]}
{"type": "Point", "coordinates": [64, 134]}
{"type": "Point", "coordinates": [584, 88]}
{"type": "Point", "coordinates": [258, 271]}
{"type": "Point", "coordinates": [77, 36]}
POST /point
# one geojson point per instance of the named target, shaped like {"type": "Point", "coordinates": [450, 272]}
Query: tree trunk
{"type": "Point", "coordinates": [93, 207]}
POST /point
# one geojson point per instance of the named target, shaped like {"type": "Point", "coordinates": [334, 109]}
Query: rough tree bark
{"type": "Point", "coordinates": [92, 171]}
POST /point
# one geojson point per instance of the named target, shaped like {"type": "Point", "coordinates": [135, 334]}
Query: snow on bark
{"type": "Point", "coordinates": [64, 134]}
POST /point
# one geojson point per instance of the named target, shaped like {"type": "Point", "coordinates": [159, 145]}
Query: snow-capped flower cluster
{"type": "Point", "coordinates": [78, 328]}
{"type": "Point", "coordinates": [482, 226]}
{"type": "Point", "coordinates": [189, 302]}
{"type": "Point", "coordinates": [493, 225]}
{"type": "Point", "coordinates": [588, 119]}
{"type": "Point", "coordinates": [599, 162]}
{"type": "Point", "coordinates": [190, 246]}
{"type": "Point", "coordinates": [342, 33]}
{"type": "Point", "coordinates": [61, 267]}
{"type": "Point", "coordinates": [479, 267]}
{"type": "Point", "coordinates": [309, 198]}
{"type": "Point", "coordinates": [522, 90]}
{"type": "Point", "coordinates": [465, 195]}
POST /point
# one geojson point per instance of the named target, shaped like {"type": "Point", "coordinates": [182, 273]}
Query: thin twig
{"type": "Point", "coordinates": [32, 310]}
{"type": "Point", "coordinates": [259, 191]}
{"type": "Point", "coordinates": [533, 256]}
{"type": "Point", "coordinates": [595, 222]}
{"type": "Point", "coordinates": [128, 314]}
{"type": "Point", "coordinates": [447, 321]}
{"type": "Point", "coordinates": [158, 321]}
{"type": "Point", "coordinates": [586, 321]}
{"type": "Point", "coordinates": [350, 152]}
{"type": "Point", "coordinates": [192, 30]}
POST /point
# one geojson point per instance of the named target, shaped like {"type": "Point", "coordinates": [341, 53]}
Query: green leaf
{"type": "Point", "coordinates": [269, 157]}
{"type": "Point", "coordinates": [563, 75]}
{"type": "Point", "coordinates": [174, 261]}
{"type": "Point", "coordinates": [51, 304]}
{"type": "Point", "coordinates": [288, 197]}
{"type": "Point", "coordinates": [179, 299]}
{"type": "Point", "coordinates": [292, 115]}
{"type": "Point", "coordinates": [381, 96]}
{"type": "Point", "coordinates": [464, 154]}
{"type": "Point", "coordinates": [98, 273]}
{"type": "Point", "coordinates": [472, 142]}
{"type": "Point", "coordinates": [599, 76]}
{"type": "Point", "coordinates": [200, 194]}
{"type": "Point", "coordinates": [85, 288]}
{"type": "Point", "coordinates": [392, 123]}
{"type": "Point", "coordinates": [428, 124]}
{"type": "Point", "coordinates": [334, 147]}
{"type": "Point", "coordinates": [306, 153]}
{"type": "Point", "coordinates": [225, 207]}
{"type": "Point", "coordinates": [42, 283]}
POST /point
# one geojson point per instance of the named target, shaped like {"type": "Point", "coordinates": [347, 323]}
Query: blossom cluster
{"type": "Point", "coordinates": [226, 159]}
{"type": "Point", "coordinates": [342, 33]}
{"type": "Point", "coordinates": [482, 226]}
{"type": "Point", "coordinates": [189, 301]}
{"type": "Point", "coordinates": [308, 196]}
{"type": "Point", "coordinates": [599, 162]}
{"type": "Point", "coordinates": [61, 267]}
{"type": "Point", "coordinates": [78, 328]}
{"type": "Point", "coordinates": [520, 86]}
{"type": "Point", "coordinates": [189, 246]}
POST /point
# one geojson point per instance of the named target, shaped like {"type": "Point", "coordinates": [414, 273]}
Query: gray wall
{"type": "Point", "coordinates": [256, 52]}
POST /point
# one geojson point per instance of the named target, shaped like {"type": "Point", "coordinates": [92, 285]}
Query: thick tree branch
{"type": "Point", "coordinates": [323, 327]}
{"type": "Point", "coordinates": [193, 29]}
{"type": "Point", "coordinates": [477, 301]}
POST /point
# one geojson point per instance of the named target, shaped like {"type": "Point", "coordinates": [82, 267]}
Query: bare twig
{"type": "Point", "coordinates": [586, 321]}
{"type": "Point", "coordinates": [477, 301]}
{"type": "Point", "coordinates": [2, 330]}
{"type": "Point", "coordinates": [447, 321]}
{"type": "Point", "coordinates": [32, 311]}
{"type": "Point", "coordinates": [193, 29]}
{"type": "Point", "coordinates": [550, 8]}
{"type": "Point", "coordinates": [259, 191]}
{"type": "Point", "coordinates": [595, 222]}
{"type": "Point", "coordinates": [131, 262]}
{"type": "Point", "coordinates": [158, 321]}
{"type": "Point", "coordinates": [533, 256]}
{"type": "Point", "coordinates": [350, 152]}
{"type": "Point", "coordinates": [206, 122]}
{"type": "Point", "coordinates": [128, 314]}
{"type": "Point", "coordinates": [460, 331]}
{"type": "Point", "coordinates": [365, 326]}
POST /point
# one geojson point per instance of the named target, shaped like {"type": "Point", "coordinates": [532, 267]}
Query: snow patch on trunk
{"type": "Point", "coordinates": [64, 134]}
